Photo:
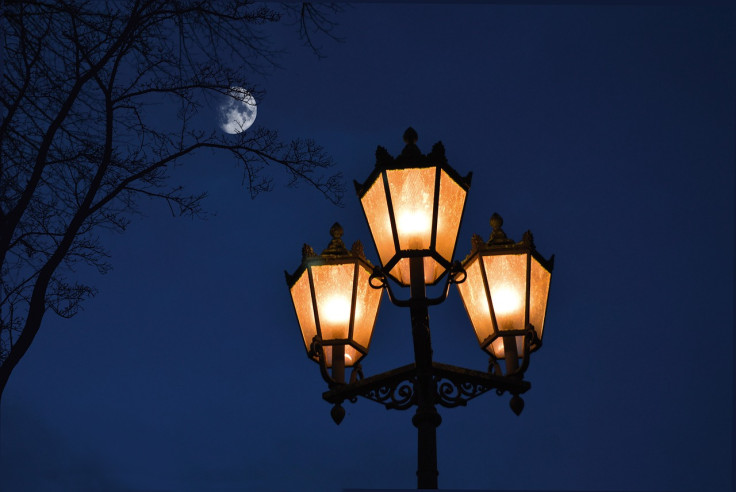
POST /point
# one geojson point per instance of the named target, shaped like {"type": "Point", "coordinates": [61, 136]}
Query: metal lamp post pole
{"type": "Point", "coordinates": [426, 418]}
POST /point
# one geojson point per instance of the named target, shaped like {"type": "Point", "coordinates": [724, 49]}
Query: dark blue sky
{"type": "Point", "coordinates": [607, 131]}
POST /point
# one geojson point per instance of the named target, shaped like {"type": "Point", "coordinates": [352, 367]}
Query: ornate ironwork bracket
{"type": "Point", "coordinates": [454, 386]}
{"type": "Point", "coordinates": [393, 389]}
{"type": "Point", "coordinates": [455, 275]}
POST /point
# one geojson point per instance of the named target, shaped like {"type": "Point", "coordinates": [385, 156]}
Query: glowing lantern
{"type": "Point", "coordinates": [505, 294]}
{"type": "Point", "coordinates": [335, 303]}
{"type": "Point", "coordinates": [413, 205]}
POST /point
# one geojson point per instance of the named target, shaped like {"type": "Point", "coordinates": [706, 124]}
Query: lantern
{"type": "Point", "coordinates": [334, 303]}
{"type": "Point", "coordinates": [413, 205]}
{"type": "Point", "coordinates": [505, 294]}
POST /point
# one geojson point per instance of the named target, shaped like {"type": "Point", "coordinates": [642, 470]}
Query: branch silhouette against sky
{"type": "Point", "coordinates": [100, 101]}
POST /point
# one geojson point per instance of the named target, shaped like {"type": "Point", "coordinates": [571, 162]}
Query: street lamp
{"type": "Point", "coordinates": [413, 204]}
{"type": "Point", "coordinates": [505, 295]}
{"type": "Point", "coordinates": [334, 303]}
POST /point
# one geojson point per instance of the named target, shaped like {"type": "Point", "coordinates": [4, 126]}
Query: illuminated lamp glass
{"type": "Point", "coordinates": [505, 294]}
{"type": "Point", "coordinates": [334, 302]}
{"type": "Point", "coordinates": [413, 205]}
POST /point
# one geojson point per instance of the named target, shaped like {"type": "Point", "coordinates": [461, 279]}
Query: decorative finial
{"type": "Point", "coordinates": [338, 413]}
{"type": "Point", "coordinates": [410, 136]}
{"type": "Point", "coordinates": [411, 155]}
{"type": "Point", "coordinates": [336, 246]}
{"type": "Point", "coordinates": [516, 404]}
{"type": "Point", "coordinates": [336, 230]}
{"type": "Point", "coordinates": [496, 221]}
{"type": "Point", "coordinates": [497, 235]}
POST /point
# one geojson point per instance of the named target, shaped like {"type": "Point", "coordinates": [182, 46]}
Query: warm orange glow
{"type": "Point", "coordinates": [452, 201]}
{"type": "Point", "coordinates": [506, 300]}
{"type": "Point", "coordinates": [376, 211]}
{"type": "Point", "coordinates": [412, 196]}
{"type": "Point", "coordinates": [498, 348]}
{"type": "Point", "coordinates": [506, 279]}
{"type": "Point", "coordinates": [539, 291]}
{"type": "Point", "coordinates": [333, 288]}
{"type": "Point", "coordinates": [432, 270]}
{"type": "Point", "coordinates": [351, 355]}
{"type": "Point", "coordinates": [366, 308]}
{"type": "Point", "coordinates": [301, 295]}
{"type": "Point", "coordinates": [506, 284]}
{"type": "Point", "coordinates": [334, 300]}
{"type": "Point", "coordinates": [415, 225]}
{"type": "Point", "coordinates": [506, 276]}
{"type": "Point", "coordinates": [336, 310]}
{"type": "Point", "coordinates": [474, 298]}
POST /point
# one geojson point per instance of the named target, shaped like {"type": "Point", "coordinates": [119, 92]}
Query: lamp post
{"type": "Point", "coordinates": [413, 204]}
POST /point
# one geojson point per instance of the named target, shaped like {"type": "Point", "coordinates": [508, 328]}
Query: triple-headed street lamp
{"type": "Point", "coordinates": [414, 204]}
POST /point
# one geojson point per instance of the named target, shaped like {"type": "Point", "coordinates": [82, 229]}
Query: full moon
{"type": "Point", "coordinates": [238, 113]}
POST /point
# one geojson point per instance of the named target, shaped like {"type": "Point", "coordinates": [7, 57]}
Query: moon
{"type": "Point", "coordinates": [238, 113]}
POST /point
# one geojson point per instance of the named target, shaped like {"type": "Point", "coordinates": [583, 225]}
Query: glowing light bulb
{"type": "Point", "coordinates": [348, 358]}
{"type": "Point", "coordinates": [334, 315]}
{"type": "Point", "coordinates": [506, 300]}
{"type": "Point", "coordinates": [336, 310]}
{"type": "Point", "coordinates": [415, 226]}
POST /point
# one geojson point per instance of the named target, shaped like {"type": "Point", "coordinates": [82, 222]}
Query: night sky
{"type": "Point", "coordinates": [606, 130]}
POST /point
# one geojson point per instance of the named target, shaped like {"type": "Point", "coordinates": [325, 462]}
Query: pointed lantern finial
{"type": "Point", "coordinates": [336, 246]}
{"type": "Point", "coordinates": [411, 136]}
{"type": "Point", "coordinates": [497, 234]}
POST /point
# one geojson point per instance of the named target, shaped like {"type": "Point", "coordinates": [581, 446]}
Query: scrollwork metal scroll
{"type": "Point", "coordinates": [452, 393]}
{"type": "Point", "coordinates": [396, 395]}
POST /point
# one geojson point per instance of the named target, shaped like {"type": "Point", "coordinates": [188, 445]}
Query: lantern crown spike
{"type": "Point", "coordinates": [308, 251]}
{"type": "Point", "coordinates": [437, 155]}
{"type": "Point", "coordinates": [528, 239]}
{"type": "Point", "coordinates": [383, 159]}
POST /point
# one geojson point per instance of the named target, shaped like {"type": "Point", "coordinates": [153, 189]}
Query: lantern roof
{"type": "Point", "coordinates": [499, 242]}
{"type": "Point", "coordinates": [411, 157]}
{"type": "Point", "coordinates": [335, 252]}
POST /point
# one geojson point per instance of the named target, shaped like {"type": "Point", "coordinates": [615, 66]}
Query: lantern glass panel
{"type": "Point", "coordinates": [452, 200]}
{"type": "Point", "coordinates": [376, 212]}
{"type": "Point", "coordinates": [432, 270]}
{"type": "Point", "coordinates": [351, 355]}
{"type": "Point", "coordinates": [412, 196]}
{"type": "Point", "coordinates": [301, 296]}
{"type": "Point", "coordinates": [473, 294]}
{"type": "Point", "coordinates": [507, 283]}
{"type": "Point", "coordinates": [333, 289]}
{"type": "Point", "coordinates": [366, 308]}
{"type": "Point", "coordinates": [497, 347]}
{"type": "Point", "coordinates": [539, 290]}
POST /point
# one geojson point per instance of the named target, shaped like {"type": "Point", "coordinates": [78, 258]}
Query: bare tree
{"type": "Point", "coordinates": [85, 133]}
